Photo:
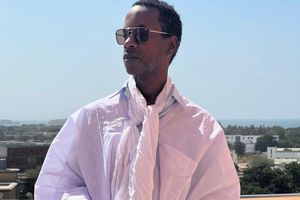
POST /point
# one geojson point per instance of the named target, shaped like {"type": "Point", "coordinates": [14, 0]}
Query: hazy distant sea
{"type": "Point", "coordinates": [285, 123]}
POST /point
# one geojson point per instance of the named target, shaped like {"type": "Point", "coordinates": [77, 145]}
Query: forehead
{"type": "Point", "coordinates": [142, 16]}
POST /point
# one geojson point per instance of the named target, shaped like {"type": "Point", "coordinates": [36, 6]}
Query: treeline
{"type": "Point", "coordinates": [28, 132]}
{"type": "Point", "coordinates": [15, 130]}
{"type": "Point", "coordinates": [261, 177]}
{"type": "Point", "coordinates": [288, 137]}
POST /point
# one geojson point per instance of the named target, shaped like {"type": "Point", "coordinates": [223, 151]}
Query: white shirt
{"type": "Point", "coordinates": [193, 160]}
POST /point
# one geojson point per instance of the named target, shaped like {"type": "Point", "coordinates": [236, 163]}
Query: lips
{"type": "Point", "coordinates": [130, 57]}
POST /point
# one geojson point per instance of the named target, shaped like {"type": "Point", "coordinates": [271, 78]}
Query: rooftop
{"type": "Point", "coordinates": [14, 143]}
{"type": "Point", "coordinates": [7, 186]}
{"type": "Point", "coordinates": [272, 197]}
{"type": "Point", "coordinates": [289, 149]}
{"type": "Point", "coordinates": [15, 170]}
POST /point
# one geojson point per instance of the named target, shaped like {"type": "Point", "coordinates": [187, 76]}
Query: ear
{"type": "Point", "coordinates": [173, 45]}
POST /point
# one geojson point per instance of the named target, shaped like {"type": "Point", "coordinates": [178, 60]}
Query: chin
{"type": "Point", "coordinates": [132, 69]}
{"type": "Point", "coordinates": [130, 72]}
{"type": "Point", "coordinates": [137, 68]}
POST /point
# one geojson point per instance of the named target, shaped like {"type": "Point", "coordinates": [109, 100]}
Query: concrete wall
{"type": "Point", "coordinates": [274, 153]}
{"type": "Point", "coordinates": [3, 152]}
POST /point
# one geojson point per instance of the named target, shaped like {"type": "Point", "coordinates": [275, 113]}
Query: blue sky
{"type": "Point", "coordinates": [238, 59]}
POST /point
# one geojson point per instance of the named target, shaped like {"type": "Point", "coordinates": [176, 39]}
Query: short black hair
{"type": "Point", "coordinates": [168, 17]}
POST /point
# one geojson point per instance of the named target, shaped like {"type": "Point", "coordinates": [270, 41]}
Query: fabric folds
{"type": "Point", "coordinates": [136, 152]}
{"type": "Point", "coordinates": [105, 151]}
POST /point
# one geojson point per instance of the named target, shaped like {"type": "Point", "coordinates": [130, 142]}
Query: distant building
{"type": "Point", "coordinates": [283, 155]}
{"type": "Point", "coordinates": [23, 156]}
{"type": "Point", "coordinates": [3, 152]}
{"type": "Point", "coordinates": [282, 161]}
{"type": "Point", "coordinates": [50, 134]}
{"type": "Point", "coordinates": [9, 184]}
{"type": "Point", "coordinates": [248, 140]}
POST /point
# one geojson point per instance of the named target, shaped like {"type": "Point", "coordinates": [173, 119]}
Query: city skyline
{"type": "Point", "coordinates": [238, 60]}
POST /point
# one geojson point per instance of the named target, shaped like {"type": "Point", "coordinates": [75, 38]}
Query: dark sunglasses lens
{"type": "Point", "coordinates": [142, 34]}
{"type": "Point", "coordinates": [139, 34]}
{"type": "Point", "coordinates": [121, 36]}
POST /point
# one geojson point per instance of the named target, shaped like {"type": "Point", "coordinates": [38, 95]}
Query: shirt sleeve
{"type": "Point", "coordinates": [215, 176]}
{"type": "Point", "coordinates": [60, 176]}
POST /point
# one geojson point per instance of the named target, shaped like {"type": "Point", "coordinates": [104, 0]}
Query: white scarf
{"type": "Point", "coordinates": [136, 152]}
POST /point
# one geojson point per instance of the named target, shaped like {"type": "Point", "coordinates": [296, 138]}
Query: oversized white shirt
{"type": "Point", "coordinates": [193, 161]}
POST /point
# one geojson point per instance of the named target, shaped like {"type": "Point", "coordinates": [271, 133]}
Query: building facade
{"type": "Point", "coordinates": [9, 184]}
{"type": "Point", "coordinates": [23, 156]}
{"type": "Point", "coordinates": [248, 140]}
{"type": "Point", "coordinates": [283, 154]}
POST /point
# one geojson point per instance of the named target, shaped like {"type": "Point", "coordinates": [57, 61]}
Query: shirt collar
{"type": "Point", "coordinates": [178, 96]}
{"type": "Point", "coordinates": [175, 94]}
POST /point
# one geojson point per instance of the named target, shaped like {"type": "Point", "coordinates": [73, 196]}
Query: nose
{"type": "Point", "coordinates": [130, 42]}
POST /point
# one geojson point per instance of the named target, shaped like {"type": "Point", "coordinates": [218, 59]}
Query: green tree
{"type": "Point", "coordinates": [239, 148]}
{"type": "Point", "coordinates": [29, 182]}
{"type": "Point", "coordinates": [293, 171]}
{"type": "Point", "coordinates": [257, 177]}
{"type": "Point", "coordinates": [265, 141]}
{"type": "Point", "coordinates": [33, 173]}
{"type": "Point", "coordinates": [262, 178]}
{"type": "Point", "coordinates": [294, 136]}
{"type": "Point", "coordinates": [280, 183]}
{"type": "Point", "coordinates": [285, 143]}
{"type": "Point", "coordinates": [230, 146]}
{"type": "Point", "coordinates": [252, 188]}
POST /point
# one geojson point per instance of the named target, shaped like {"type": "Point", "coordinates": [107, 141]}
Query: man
{"type": "Point", "coordinates": [146, 141]}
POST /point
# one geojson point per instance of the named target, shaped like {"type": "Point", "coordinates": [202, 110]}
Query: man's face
{"type": "Point", "coordinates": [145, 58]}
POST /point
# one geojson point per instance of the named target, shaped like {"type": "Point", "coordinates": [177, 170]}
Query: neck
{"type": "Point", "coordinates": [150, 88]}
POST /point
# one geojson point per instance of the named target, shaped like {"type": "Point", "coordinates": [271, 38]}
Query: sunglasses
{"type": "Point", "coordinates": [139, 34]}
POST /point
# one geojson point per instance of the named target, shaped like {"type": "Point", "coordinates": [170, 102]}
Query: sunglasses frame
{"type": "Point", "coordinates": [130, 33]}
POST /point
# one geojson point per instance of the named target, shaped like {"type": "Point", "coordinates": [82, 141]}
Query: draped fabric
{"type": "Point", "coordinates": [133, 176]}
{"type": "Point", "coordinates": [119, 147]}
